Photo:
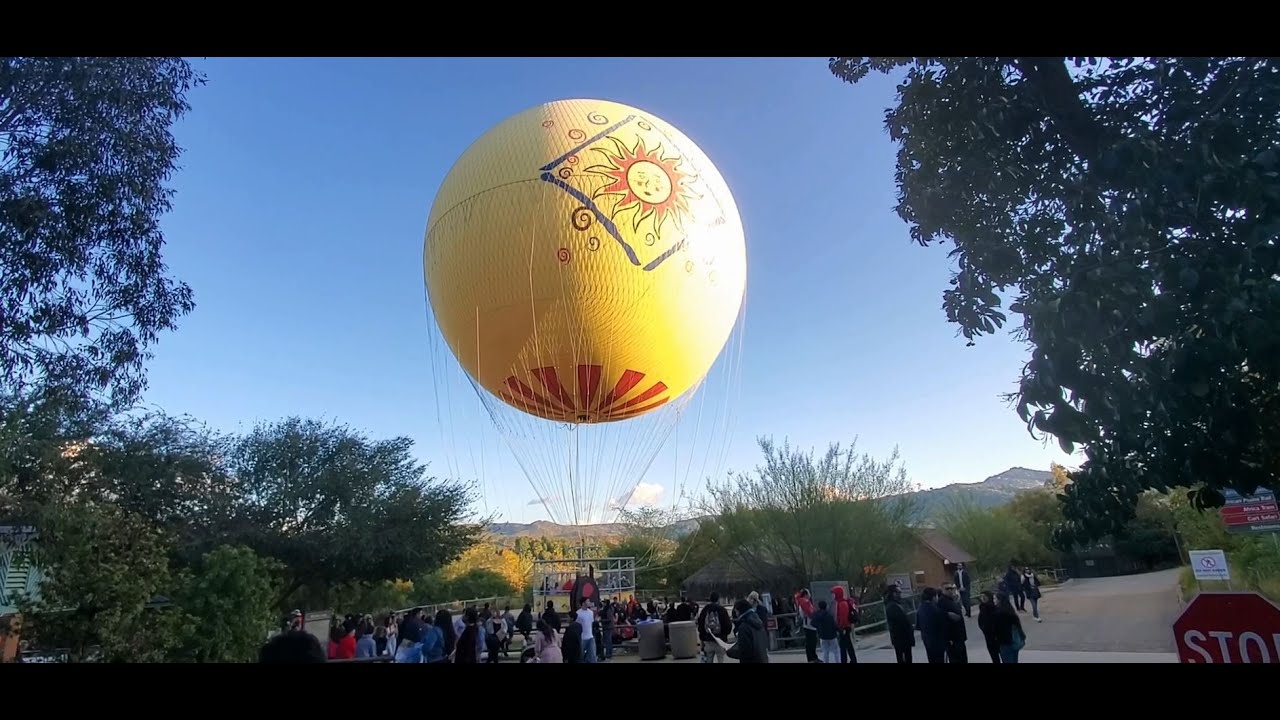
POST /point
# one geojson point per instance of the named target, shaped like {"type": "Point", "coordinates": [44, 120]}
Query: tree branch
{"type": "Point", "coordinates": [1061, 101]}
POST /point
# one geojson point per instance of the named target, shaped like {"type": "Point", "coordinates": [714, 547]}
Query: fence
{"type": "Point", "coordinates": [873, 621]}
{"type": "Point", "coordinates": [455, 606]}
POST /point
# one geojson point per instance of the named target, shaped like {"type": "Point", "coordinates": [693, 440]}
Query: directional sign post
{"type": "Point", "coordinates": [1257, 513]}
{"type": "Point", "coordinates": [1228, 628]}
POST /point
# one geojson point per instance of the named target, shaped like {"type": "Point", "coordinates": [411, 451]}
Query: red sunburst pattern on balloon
{"type": "Point", "coordinates": [545, 396]}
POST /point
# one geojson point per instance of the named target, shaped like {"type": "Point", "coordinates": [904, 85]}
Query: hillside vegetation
{"type": "Point", "coordinates": [995, 491]}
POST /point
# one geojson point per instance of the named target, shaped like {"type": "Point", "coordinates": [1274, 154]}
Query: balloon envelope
{"type": "Point", "coordinates": [585, 262]}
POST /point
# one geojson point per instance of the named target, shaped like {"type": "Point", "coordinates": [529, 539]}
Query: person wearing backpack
{"type": "Point", "coordinates": [846, 617]}
{"type": "Point", "coordinates": [713, 623]}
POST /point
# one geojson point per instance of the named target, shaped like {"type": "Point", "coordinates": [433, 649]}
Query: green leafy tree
{"type": "Point", "coordinates": [102, 567]}
{"type": "Point", "coordinates": [837, 515]}
{"type": "Point", "coordinates": [1128, 206]}
{"type": "Point", "coordinates": [86, 146]}
{"type": "Point", "coordinates": [335, 506]}
{"type": "Point", "coordinates": [377, 598]}
{"type": "Point", "coordinates": [37, 429]}
{"type": "Point", "coordinates": [228, 602]}
{"type": "Point", "coordinates": [653, 556]}
{"type": "Point", "coordinates": [1039, 512]}
{"type": "Point", "coordinates": [995, 536]}
{"type": "Point", "coordinates": [649, 539]}
{"type": "Point", "coordinates": [168, 470]}
{"type": "Point", "coordinates": [695, 551]}
{"type": "Point", "coordinates": [472, 584]}
{"type": "Point", "coordinates": [1149, 537]}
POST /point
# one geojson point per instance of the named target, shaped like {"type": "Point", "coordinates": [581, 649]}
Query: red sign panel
{"type": "Point", "coordinates": [1251, 513]}
{"type": "Point", "coordinates": [1228, 628]}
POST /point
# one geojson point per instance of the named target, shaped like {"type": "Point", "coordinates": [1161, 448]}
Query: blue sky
{"type": "Point", "coordinates": [299, 219]}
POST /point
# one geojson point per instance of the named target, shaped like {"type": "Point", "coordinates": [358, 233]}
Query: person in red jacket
{"type": "Point", "coordinates": [846, 617]}
{"type": "Point", "coordinates": [804, 608]}
{"type": "Point", "coordinates": [342, 641]}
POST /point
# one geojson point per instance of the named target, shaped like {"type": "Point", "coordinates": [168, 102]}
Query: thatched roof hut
{"type": "Point", "coordinates": [733, 578]}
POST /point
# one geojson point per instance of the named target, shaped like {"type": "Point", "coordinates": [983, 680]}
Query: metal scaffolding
{"type": "Point", "coordinates": [553, 579]}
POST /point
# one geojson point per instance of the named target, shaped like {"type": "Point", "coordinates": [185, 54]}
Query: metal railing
{"type": "Point", "coordinates": [454, 606]}
{"type": "Point", "coordinates": [873, 620]}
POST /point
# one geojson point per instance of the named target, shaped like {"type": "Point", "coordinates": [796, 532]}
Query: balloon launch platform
{"type": "Point", "coordinates": [589, 576]}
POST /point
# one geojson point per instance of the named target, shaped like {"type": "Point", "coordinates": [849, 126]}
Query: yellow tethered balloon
{"type": "Point", "coordinates": [585, 261]}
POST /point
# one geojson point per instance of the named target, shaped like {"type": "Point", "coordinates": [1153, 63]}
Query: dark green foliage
{"type": "Point", "coordinates": [336, 507]}
{"type": "Point", "coordinates": [312, 505]}
{"type": "Point", "coordinates": [85, 150]}
{"type": "Point", "coordinates": [838, 515]}
{"type": "Point", "coordinates": [103, 567]}
{"type": "Point", "coordinates": [1129, 208]}
{"type": "Point", "coordinates": [475, 583]}
{"type": "Point", "coordinates": [227, 601]}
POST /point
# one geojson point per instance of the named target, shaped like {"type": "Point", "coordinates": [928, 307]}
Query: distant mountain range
{"type": "Point", "coordinates": [992, 492]}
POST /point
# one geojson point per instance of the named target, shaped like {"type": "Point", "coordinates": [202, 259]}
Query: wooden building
{"type": "Point", "coordinates": [932, 559]}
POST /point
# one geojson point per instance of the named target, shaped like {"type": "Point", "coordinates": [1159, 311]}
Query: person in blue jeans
{"type": "Point", "coordinates": [828, 633]}
{"type": "Point", "coordinates": [586, 617]}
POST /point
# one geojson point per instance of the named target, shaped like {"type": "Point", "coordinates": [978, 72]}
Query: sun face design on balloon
{"type": "Point", "coordinates": [645, 181]}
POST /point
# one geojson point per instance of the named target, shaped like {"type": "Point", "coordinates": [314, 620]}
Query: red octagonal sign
{"type": "Point", "coordinates": [1228, 628]}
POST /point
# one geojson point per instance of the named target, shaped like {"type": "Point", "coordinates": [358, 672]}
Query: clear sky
{"type": "Point", "coordinates": [299, 220]}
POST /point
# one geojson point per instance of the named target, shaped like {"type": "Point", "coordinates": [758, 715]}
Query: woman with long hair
{"type": "Point", "coordinates": [467, 650]}
{"type": "Point", "coordinates": [987, 624]}
{"type": "Point", "coordinates": [571, 650]}
{"type": "Point", "coordinates": [546, 647]}
{"type": "Point", "coordinates": [1008, 629]}
{"type": "Point", "coordinates": [444, 621]}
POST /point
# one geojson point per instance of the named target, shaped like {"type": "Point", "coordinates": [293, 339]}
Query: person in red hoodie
{"type": "Point", "coordinates": [846, 617]}
{"type": "Point", "coordinates": [804, 608]}
{"type": "Point", "coordinates": [342, 641]}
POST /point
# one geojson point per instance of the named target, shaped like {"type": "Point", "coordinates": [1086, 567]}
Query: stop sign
{"type": "Point", "coordinates": [1228, 628]}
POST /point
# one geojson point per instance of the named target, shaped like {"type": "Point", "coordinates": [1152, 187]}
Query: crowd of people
{"type": "Point", "coordinates": [942, 618]}
{"type": "Point", "coordinates": [589, 633]}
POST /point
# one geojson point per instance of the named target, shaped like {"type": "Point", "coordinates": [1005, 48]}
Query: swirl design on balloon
{"type": "Point", "coordinates": [576, 134]}
{"type": "Point", "coordinates": [548, 123]}
{"type": "Point", "coordinates": [572, 159]}
{"type": "Point", "coordinates": [582, 218]}
{"type": "Point", "coordinates": [593, 243]}
{"type": "Point", "coordinates": [564, 173]}
{"type": "Point", "coordinates": [564, 256]}
{"type": "Point", "coordinates": [650, 239]}
{"type": "Point", "coordinates": [688, 266]}
{"type": "Point", "coordinates": [644, 125]}
{"type": "Point", "coordinates": [596, 118]}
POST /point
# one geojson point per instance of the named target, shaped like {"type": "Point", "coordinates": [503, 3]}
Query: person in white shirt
{"type": "Point", "coordinates": [585, 618]}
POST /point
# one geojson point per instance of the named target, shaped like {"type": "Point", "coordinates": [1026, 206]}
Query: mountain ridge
{"type": "Point", "coordinates": [992, 491]}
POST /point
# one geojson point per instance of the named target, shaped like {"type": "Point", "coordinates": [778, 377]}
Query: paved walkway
{"type": "Point", "coordinates": [1103, 620]}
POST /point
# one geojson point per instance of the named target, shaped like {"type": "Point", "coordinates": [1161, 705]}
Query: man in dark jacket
{"type": "Point", "coordinates": [931, 622]}
{"type": "Point", "coordinates": [551, 617]}
{"type": "Point", "coordinates": [901, 636]}
{"type": "Point", "coordinates": [964, 583]}
{"type": "Point", "coordinates": [752, 641]}
{"type": "Point", "coordinates": [1013, 586]}
{"type": "Point", "coordinates": [957, 633]}
{"type": "Point", "coordinates": [713, 623]}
